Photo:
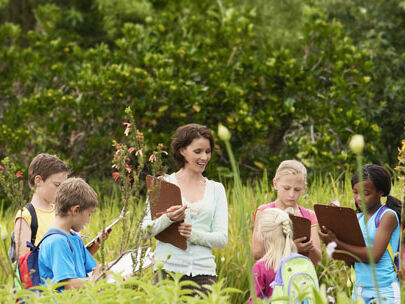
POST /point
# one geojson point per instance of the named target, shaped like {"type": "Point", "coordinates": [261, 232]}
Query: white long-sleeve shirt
{"type": "Point", "coordinates": [209, 220]}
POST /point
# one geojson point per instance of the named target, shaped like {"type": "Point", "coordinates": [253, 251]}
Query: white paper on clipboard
{"type": "Point", "coordinates": [88, 245]}
{"type": "Point", "coordinates": [125, 266]}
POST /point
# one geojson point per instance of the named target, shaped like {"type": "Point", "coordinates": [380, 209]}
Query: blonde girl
{"type": "Point", "coordinates": [290, 183]}
{"type": "Point", "coordinates": [275, 233]}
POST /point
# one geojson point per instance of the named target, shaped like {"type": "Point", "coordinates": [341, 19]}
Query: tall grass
{"type": "Point", "coordinates": [232, 261]}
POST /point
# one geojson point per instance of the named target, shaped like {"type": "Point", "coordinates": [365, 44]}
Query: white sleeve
{"type": "Point", "coordinates": [218, 236]}
{"type": "Point", "coordinates": [157, 225]}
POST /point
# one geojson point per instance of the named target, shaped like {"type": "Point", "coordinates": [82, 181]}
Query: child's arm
{"type": "Point", "coordinates": [382, 237]}
{"type": "Point", "coordinates": [74, 283]}
{"type": "Point", "coordinates": [22, 235]}
{"type": "Point", "coordinates": [257, 239]}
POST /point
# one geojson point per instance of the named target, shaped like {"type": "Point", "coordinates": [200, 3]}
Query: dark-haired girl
{"type": "Point", "coordinates": [384, 233]}
{"type": "Point", "coordinates": [204, 209]}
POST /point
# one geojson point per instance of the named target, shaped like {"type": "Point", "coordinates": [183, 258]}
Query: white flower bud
{"type": "Point", "coordinates": [357, 143]}
{"type": "Point", "coordinates": [3, 232]}
{"type": "Point", "coordinates": [223, 132]}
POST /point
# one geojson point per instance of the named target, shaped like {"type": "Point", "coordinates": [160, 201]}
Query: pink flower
{"type": "Point", "coordinates": [139, 152]}
{"type": "Point", "coordinates": [139, 136]}
{"type": "Point", "coordinates": [19, 174]}
{"type": "Point", "coordinates": [152, 158]}
{"type": "Point", "coordinates": [164, 152]}
{"type": "Point", "coordinates": [115, 175]}
{"type": "Point", "coordinates": [1, 168]}
{"type": "Point", "coordinates": [130, 150]}
{"type": "Point", "coordinates": [129, 169]}
{"type": "Point", "coordinates": [114, 166]}
{"type": "Point", "coordinates": [127, 128]}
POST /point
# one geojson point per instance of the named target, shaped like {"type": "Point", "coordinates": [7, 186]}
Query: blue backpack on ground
{"type": "Point", "coordinates": [296, 278]}
{"type": "Point", "coordinates": [28, 268]}
{"type": "Point", "coordinates": [394, 257]}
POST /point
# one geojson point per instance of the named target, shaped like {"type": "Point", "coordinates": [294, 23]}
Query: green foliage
{"type": "Point", "coordinates": [378, 27]}
{"type": "Point", "coordinates": [177, 63]}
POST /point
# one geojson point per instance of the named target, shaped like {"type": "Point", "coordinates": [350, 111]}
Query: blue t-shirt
{"type": "Point", "coordinates": [57, 262]}
{"type": "Point", "coordinates": [384, 268]}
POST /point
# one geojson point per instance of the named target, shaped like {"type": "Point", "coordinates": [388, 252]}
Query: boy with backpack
{"type": "Point", "coordinates": [62, 254]}
{"type": "Point", "coordinates": [45, 173]}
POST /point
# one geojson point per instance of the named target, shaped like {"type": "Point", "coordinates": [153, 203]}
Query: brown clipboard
{"type": "Point", "coordinates": [163, 195]}
{"type": "Point", "coordinates": [344, 223]}
{"type": "Point", "coordinates": [301, 227]}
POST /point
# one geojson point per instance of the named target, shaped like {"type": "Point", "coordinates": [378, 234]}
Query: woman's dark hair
{"type": "Point", "coordinates": [381, 180]}
{"type": "Point", "coordinates": [184, 136]}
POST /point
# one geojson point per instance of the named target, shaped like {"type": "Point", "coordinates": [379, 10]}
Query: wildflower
{"type": "Point", "coordinates": [114, 166]}
{"type": "Point", "coordinates": [3, 232]}
{"type": "Point", "coordinates": [128, 168]}
{"type": "Point", "coordinates": [19, 174]}
{"type": "Point", "coordinates": [127, 128]}
{"type": "Point", "coordinates": [152, 158]}
{"type": "Point", "coordinates": [223, 259]}
{"type": "Point", "coordinates": [139, 136]}
{"type": "Point", "coordinates": [115, 175]}
{"type": "Point", "coordinates": [1, 168]}
{"type": "Point", "coordinates": [224, 133]}
{"type": "Point", "coordinates": [139, 152]}
{"type": "Point", "coordinates": [330, 248]}
{"type": "Point", "coordinates": [130, 150]}
{"type": "Point", "coordinates": [331, 299]}
{"type": "Point", "coordinates": [357, 143]}
{"type": "Point", "coordinates": [165, 152]}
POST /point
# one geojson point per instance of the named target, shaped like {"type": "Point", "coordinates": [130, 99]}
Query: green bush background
{"type": "Point", "coordinates": [290, 80]}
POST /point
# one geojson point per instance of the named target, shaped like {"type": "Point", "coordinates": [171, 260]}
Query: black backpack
{"type": "Point", "coordinates": [34, 229]}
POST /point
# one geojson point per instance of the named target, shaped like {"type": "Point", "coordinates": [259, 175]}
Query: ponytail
{"type": "Point", "coordinates": [394, 204]}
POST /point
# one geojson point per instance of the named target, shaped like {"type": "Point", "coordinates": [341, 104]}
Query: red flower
{"type": "Point", "coordinates": [19, 174]}
{"type": "Point", "coordinates": [115, 175]}
{"type": "Point", "coordinates": [1, 168]}
{"type": "Point", "coordinates": [127, 128]}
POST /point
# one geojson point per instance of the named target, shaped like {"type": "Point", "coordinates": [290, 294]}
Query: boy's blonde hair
{"type": "Point", "coordinates": [276, 228]}
{"type": "Point", "coordinates": [74, 191]}
{"type": "Point", "coordinates": [288, 167]}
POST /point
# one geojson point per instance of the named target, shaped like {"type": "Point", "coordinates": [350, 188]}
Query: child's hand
{"type": "Point", "coordinates": [327, 236]}
{"type": "Point", "coordinates": [303, 246]}
{"type": "Point", "coordinates": [185, 230]}
{"type": "Point", "coordinates": [177, 213]}
{"type": "Point", "coordinates": [101, 237]}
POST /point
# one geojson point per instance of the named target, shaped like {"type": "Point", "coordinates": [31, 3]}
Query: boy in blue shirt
{"type": "Point", "coordinates": [58, 260]}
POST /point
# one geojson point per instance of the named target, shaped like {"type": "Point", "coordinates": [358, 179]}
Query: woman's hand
{"type": "Point", "coordinates": [327, 236]}
{"type": "Point", "coordinates": [185, 229]}
{"type": "Point", "coordinates": [304, 246]}
{"type": "Point", "coordinates": [177, 213]}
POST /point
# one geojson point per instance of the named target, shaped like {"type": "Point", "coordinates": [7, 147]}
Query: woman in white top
{"type": "Point", "coordinates": [204, 209]}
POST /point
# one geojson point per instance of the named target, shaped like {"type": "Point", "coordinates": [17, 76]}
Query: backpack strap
{"type": "Point", "coordinates": [34, 222]}
{"type": "Point", "coordinates": [389, 247]}
{"type": "Point", "coordinates": [51, 232]}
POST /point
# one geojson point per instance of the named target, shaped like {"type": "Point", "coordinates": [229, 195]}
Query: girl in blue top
{"type": "Point", "coordinates": [376, 183]}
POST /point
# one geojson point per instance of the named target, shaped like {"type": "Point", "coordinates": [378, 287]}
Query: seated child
{"type": "Point", "coordinates": [275, 230]}
{"type": "Point", "coordinates": [58, 260]}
